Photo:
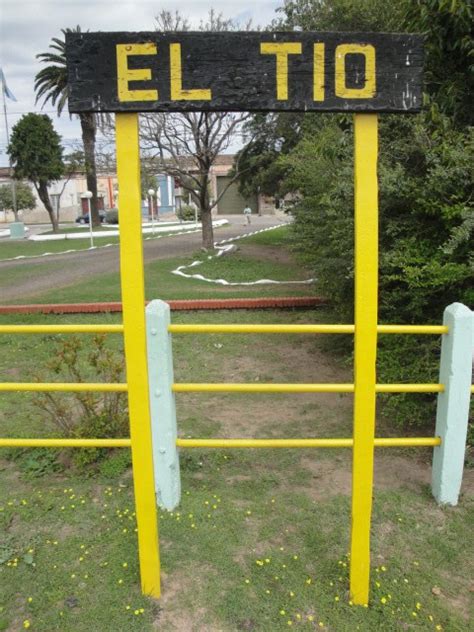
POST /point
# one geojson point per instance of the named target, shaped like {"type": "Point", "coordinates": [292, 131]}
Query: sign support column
{"type": "Point", "coordinates": [133, 306]}
{"type": "Point", "coordinates": [365, 351]}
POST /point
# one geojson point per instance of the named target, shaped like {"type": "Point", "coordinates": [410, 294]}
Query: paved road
{"type": "Point", "coordinates": [76, 267]}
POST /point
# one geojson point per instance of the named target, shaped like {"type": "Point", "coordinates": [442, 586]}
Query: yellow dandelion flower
{"type": "Point", "coordinates": [418, 605]}
{"type": "Point", "coordinates": [127, 607]}
{"type": "Point", "coordinates": [292, 594]}
{"type": "Point", "coordinates": [383, 600]}
{"type": "Point", "coordinates": [125, 564]}
{"type": "Point", "coordinates": [336, 598]}
{"type": "Point", "coordinates": [120, 581]}
{"type": "Point", "coordinates": [290, 622]}
{"type": "Point", "coordinates": [136, 612]}
{"type": "Point", "coordinates": [295, 557]}
{"type": "Point", "coordinates": [439, 627]}
{"type": "Point", "coordinates": [282, 612]}
{"type": "Point", "coordinates": [310, 617]}
{"type": "Point", "coordinates": [298, 616]}
{"type": "Point", "coordinates": [308, 581]}
{"type": "Point", "coordinates": [26, 623]}
{"type": "Point", "coordinates": [247, 581]}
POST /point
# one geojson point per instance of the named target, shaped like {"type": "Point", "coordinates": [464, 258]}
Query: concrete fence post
{"type": "Point", "coordinates": [453, 404]}
{"type": "Point", "coordinates": [162, 405]}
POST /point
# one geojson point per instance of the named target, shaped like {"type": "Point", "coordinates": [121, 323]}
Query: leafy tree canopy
{"type": "Point", "coordinates": [35, 149]}
{"type": "Point", "coordinates": [24, 197]}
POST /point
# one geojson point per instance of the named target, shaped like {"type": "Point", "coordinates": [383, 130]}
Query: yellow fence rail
{"type": "Point", "coordinates": [382, 442]}
{"type": "Point", "coordinates": [302, 329]}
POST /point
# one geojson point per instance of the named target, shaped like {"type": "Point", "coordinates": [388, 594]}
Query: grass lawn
{"type": "Point", "coordinates": [82, 229]}
{"type": "Point", "coordinates": [27, 248]}
{"type": "Point", "coordinates": [254, 260]}
{"type": "Point", "coordinates": [260, 539]}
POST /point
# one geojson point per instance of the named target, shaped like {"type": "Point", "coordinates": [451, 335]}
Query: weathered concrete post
{"type": "Point", "coordinates": [162, 405]}
{"type": "Point", "coordinates": [453, 404]}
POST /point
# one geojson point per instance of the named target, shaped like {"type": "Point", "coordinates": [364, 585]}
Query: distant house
{"type": "Point", "coordinates": [67, 195]}
{"type": "Point", "coordinates": [232, 201]}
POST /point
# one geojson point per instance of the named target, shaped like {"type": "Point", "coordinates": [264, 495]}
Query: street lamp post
{"type": "Point", "coordinates": [88, 196]}
{"type": "Point", "coordinates": [151, 206]}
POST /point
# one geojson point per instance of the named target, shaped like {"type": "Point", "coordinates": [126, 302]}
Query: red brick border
{"type": "Point", "coordinates": [177, 305]}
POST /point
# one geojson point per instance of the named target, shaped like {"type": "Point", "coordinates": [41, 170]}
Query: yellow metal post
{"type": "Point", "coordinates": [365, 352]}
{"type": "Point", "coordinates": [133, 305]}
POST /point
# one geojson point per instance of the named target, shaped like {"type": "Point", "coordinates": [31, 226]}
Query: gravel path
{"type": "Point", "coordinates": [64, 270]}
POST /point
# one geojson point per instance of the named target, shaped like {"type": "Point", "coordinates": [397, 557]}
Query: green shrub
{"type": "Point", "coordinates": [111, 216]}
{"type": "Point", "coordinates": [188, 213]}
{"type": "Point", "coordinates": [85, 414]}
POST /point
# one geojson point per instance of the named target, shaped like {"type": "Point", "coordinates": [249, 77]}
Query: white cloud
{"type": "Point", "coordinates": [27, 27]}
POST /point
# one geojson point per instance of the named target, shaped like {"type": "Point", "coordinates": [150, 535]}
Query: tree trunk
{"type": "Point", "coordinates": [88, 127]}
{"type": "Point", "coordinates": [43, 195]}
{"type": "Point", "coordinates": [207, 229]}
{"type": "Point", "coordinates": [204, 207]}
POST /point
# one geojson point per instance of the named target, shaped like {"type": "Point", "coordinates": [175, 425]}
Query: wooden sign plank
{"type": "Point", "coordinates": [234, 71]}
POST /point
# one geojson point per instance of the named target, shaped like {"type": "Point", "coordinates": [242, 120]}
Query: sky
{"type": "Point", "coordinates": [27, 26]}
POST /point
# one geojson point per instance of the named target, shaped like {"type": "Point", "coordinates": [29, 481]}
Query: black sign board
{"type": "Point", "coordinates": [233, 71]}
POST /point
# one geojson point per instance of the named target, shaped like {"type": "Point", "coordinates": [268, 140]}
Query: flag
{"type": "Point", "coordinates": [6, 91]}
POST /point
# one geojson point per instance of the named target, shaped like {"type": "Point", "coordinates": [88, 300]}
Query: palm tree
{"type": "Point", "coordinates": [51, 83]}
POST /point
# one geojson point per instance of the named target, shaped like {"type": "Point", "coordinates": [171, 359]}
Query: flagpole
{"type": "Point", "coordinates": [13, 183]}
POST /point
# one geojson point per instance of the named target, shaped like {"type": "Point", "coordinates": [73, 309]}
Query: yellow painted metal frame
{"type": "Point", "coordinates": [133, 309]}
{"type": "Point", "coordinates": [365, 348]}
{"type": "Point", "coordinates": [365, 332]}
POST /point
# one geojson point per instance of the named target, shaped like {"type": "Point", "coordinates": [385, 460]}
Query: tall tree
{"type": "Point", "coordinates": [36, 155]}
{"type": "Point", "coordinates": [51, 83]}
{"type": "Point", "coordinates": [25, 200]}
{"type": "Point", "coordinates": [187, 144]}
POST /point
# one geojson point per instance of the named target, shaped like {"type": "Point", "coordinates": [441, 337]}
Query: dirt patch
{"type": "Point", "coordinates": [173, 614]}
{"type": "Point", "coordinates": [328, 478]}
{"type": "Point", "coordinates": [275, 253]}
{"type": "Point", "coordinates": [331, 478]}
{"type": "Point", "coordinates": [460, 597]}
{"type": "Point", "coordinates": [259, 415]}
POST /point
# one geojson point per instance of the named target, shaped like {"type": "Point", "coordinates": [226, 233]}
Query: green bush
{"type": "Point", "coordinates": [426, 223]}
{"type": "Point", "coordinates": [85, 414]}
{"type": "Point", "coordinates": [111, 216]}
{"type": "Point", "coordinates": [188, 213]}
